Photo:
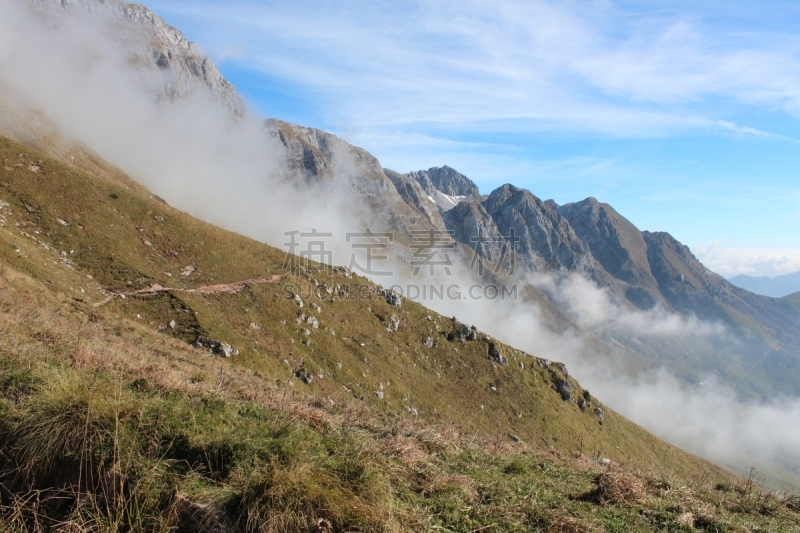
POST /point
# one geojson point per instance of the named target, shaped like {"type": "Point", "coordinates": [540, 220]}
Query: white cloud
{"type": "Point", "coordinates": [709, 420]}
{"type": "Point", "coordinates": [595, 308]}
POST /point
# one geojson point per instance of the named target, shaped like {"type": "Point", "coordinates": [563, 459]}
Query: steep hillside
{"type": "Point", "coordinates": [758, 355]}
{"type": "Point", "coordinates": [637, 268]}
{"type": "Point", "coordinates": [119, 312]}
{"type": "Point", "coordinates": [98, 241]}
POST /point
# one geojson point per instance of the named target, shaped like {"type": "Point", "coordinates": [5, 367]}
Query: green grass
{"type": "Point", "coordinates": [105, 453]}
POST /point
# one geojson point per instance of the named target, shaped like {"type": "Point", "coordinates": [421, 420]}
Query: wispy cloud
{"type": "Point", "coordinates": [730, 261]}
{"type": "Point", "coordinates": [535, 64]}
{"type": "Point", "coordinates": [747, 131]}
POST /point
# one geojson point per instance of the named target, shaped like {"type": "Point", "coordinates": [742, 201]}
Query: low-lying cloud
{"type": "Point", "coordinates": [594, 307]}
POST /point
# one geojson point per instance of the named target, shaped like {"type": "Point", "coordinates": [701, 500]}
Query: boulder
{"type": "Point", "coordinates": [496, 355]}
{"type": "Point", "coordinates": [600, 413]}
{"type": "Point", "coordinates": [225, 350]}
{"type": "Point", "coordinates": [215, 347]}
{"type": "Point", "coordinates": [564, 388]}
{"type": "Point", "coordinates": [394, 324]}
{"type": "Point", "coordinates": [393, 299]}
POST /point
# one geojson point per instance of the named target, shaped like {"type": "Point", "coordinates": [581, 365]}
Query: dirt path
{"type": "Point", "coordinates": [236, 286]}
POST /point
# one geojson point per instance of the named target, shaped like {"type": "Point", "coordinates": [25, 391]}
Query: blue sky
{"type": "Point", "coordinates": [685, 116]}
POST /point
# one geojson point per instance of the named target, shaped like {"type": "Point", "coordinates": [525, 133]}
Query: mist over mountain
{"type": "Point", "coordinates": [623, 307]}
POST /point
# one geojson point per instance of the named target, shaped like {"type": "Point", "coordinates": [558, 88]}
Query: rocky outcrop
{"type": "Point", "coordinates": [392, 298]}
{"type": "Point", "coordinates": [546, 239]}
{"type": "Point", "coordinates": [496, 355]}
{"type": "Point", "coordinates": [216, 347]}
{"type": "Point", "coordinates": [444, 188]}
{"type": "Point", "coordinates": [472, 225]}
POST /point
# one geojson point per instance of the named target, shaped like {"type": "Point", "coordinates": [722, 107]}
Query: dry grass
{"type": "Point", "coordinates": [559, 522]}
{"type": "Point", "coordinates": [407, 450]}
{"type": "Point", "coordinates": [617, 487]}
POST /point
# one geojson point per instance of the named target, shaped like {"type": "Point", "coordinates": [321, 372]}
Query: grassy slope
{"type": "Point", "coordinates": [123, 239]}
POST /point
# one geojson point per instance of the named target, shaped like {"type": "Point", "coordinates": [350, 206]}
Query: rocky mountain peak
{"type": "Point", "coordinates": [546, 239]}
{"type": "Point", "coordinates": [445, 180]}
{"type": "Point", "coordinates": [618, 246]}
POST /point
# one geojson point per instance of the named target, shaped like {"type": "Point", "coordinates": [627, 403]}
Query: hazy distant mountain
{"type": "Point", "coordinates": [793, 297]}
{"type": "Point", "coordinates": [776, 287]}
